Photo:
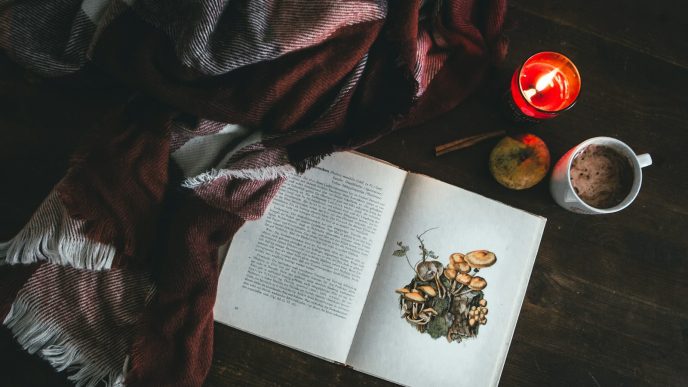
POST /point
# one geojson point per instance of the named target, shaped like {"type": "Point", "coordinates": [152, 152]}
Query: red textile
{"type": "Point", "coordinates": [122, 184]}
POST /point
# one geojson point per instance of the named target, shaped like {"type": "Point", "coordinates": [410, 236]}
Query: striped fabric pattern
{"type": "Point", "coordinates": [204, 152]}
{"type": "Point", "coordinates": [336, 112]}
{"type": "Point", "coordinates": [81, 320]}
{"type": "Point", "coordinates": [52, 235]}
{"type": "Point", "coordinates": [429, 57]}
{"type": "Point", "coordinates": [228, 99]}
{"type": "Point", "coordinates": [231, 34]}
{"type": "Point", "coordinates": [188, 128]}
{"type": "Point", "coordinates": [49, 38]}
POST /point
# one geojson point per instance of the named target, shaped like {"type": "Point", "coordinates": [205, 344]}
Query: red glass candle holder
{"type": "Point", "coordinates": [545, 85]}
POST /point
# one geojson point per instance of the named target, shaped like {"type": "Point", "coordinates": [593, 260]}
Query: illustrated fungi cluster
{"type": "Point", "coordinates": [445, 300]}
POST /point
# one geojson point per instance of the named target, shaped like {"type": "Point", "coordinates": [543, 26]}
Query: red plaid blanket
{"type": "Point", "coordinates": [207, 107]}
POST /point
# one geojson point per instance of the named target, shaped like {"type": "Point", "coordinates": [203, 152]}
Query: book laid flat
{"type": "Point", "coordinates": [362, 263]}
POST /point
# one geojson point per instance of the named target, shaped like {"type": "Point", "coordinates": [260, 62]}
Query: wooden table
{"type": "Point", "coordinates": [607, 302]}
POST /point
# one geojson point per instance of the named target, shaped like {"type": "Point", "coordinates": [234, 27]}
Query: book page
{"type": "Point", "coordinates": [300, 275]}
{"type": "Point", "coordinates": [453, 220]}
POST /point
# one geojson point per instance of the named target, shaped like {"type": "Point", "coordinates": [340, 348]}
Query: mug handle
{"type": "Point", "coordinates": [644, 160]}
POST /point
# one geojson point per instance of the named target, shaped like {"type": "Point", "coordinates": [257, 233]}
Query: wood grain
{"type": "Point", "coordinates": [656, 28]}
{"type": "Point", "coordinates": [607, 303]}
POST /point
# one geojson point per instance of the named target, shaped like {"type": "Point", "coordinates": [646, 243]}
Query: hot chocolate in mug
{"type": "Point", "coordinates": [562, 187]}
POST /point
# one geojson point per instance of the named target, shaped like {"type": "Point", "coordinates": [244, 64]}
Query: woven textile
{"type": "Point", "coordinates": [204, 108]}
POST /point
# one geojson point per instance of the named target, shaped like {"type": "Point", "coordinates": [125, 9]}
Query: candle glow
{"type": "Point", "coordinates": [546, 84]}
{"type": "Point", "coordinates": [541, 84]}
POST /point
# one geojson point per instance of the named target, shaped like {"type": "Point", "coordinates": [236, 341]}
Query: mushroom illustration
{"type": "Point", "coordinates": [414, 303]}
{"type": "Point", "coordinates": [450, 274]}
{"type": "Point", "coordinates": [427, 270]}
{"type": "Point", "coordinates": [477, 283]}
{"type": "Point", "coordinates": [480, 258]}
{"type": "Point", "coordinates": [423, 317]}
{"type": "Point", "coordinates": [441, 290]}
{"type": "Point", "coordinates": [429, 290]}
{"type": "Point", "coordinates": [456, 258]}
{"type": "Point", "coordinates": [463, 267]}
{"type": "Point", "coordinates": [414, 296]}
{"type": "Point", "coordinates": [478, 313]}
{"type": "Point", "coordinates": [404, 309]}
{"type": "Point", "coordinates": [452, 293]}
{"type": "Point", "coordinates": [464, 279]}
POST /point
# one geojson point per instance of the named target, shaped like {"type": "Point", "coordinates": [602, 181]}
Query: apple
{"type": "Point", "coordinates": [519, 161]}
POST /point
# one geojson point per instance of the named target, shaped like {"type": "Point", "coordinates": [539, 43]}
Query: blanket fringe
{"type": "Point", "coordinates": [81, 254]}
{"type": "Point", "coordinates": [269, 173]}
{"type": "Point", "coordinates": [309, 162]}
{"type": "Point", "coordinates": [51, 235]}
{"type": "Point", "coordinates": [36, 336]}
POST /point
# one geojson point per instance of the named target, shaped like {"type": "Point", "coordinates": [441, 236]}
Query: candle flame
{"type": "Point", "coordinates": [546, 80]}
{"type": "Point", "coordinates": [542, 83]}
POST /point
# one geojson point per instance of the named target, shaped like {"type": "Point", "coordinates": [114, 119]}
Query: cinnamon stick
{"type": "Point", "coordinates": [466, 142]}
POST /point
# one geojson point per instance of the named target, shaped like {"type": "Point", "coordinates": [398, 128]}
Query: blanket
{"type": "Point", "coordinates": [197, 113]}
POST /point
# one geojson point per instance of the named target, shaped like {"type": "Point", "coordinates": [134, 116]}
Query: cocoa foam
{"type": "Point", "coordinates": [601, 177]}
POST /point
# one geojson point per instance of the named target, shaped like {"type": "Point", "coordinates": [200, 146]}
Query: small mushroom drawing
{"type": "Point", "coordinates": [464, 279]}
{"type": "Point", "coordinates": [476, 314]}
{"type": "Point", "coordinates": [480, 259]}
{"type": "Point", "coordinates": [428, 290]}
{"type": "Point", "coordinates": [446, 301]}
{"type": "Point", "coordinates": [423, 317]}
{"type": "Point", "coordinates": [464, 267]}
{"type": "Point", "coordinates": [456, 258]}
{"type": "Point", "coordinates": [477, 283]}
{"type": "Point", "coordinates": [428, 270]}
{"type": "Point", "coordinates": [414, 296]}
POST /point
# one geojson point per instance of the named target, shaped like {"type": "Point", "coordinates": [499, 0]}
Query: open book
{"type": "Point", "coordinates": [396, 274]}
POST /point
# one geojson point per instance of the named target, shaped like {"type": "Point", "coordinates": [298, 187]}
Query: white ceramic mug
{"type": "Point", "coordinates": [562, 189]}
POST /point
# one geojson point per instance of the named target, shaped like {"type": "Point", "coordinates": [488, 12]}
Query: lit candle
{"type": "Point", "coordinates": [544, 86]}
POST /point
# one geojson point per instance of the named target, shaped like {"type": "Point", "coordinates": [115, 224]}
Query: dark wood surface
{"type": "Point", "coordinates": [607, 302]}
